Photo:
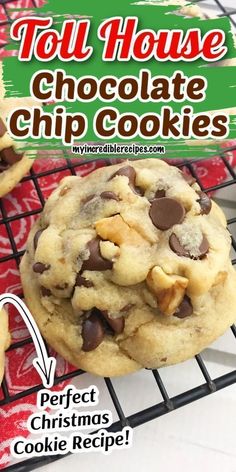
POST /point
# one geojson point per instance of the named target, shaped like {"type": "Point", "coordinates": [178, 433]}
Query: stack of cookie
{"type": "Point", "coordinates": [13, 166]}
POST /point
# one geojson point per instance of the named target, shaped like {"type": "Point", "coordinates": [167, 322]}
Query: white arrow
{"type": "Point", "coordinates": [44, 364]}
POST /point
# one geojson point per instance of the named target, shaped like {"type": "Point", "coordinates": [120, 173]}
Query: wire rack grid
{"type": "Point", "coordinates": [168, 403]}
{"type": "Point", "coordinates": [7, 15]}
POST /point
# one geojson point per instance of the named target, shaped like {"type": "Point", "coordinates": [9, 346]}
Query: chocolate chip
{"type": "Point", "coordinates": [95, 260]}
{"type": "Point", "coordinates": [39, 267]}
{"type": "Point", "coordinates": [87, 199]}
{"type": "Point", "coordinates": [92, 332]}
{"type": "Point", "coordinates": [176, 246]}
{"type": "Point", "coordinates": [189, 178]}
{"type": "Point", "coordinates": [61, 287]}
{"type": "Point", "coordinates": [160, 193]}
{"type": "Point", "coordinates": [9, 156]}
{"type": "Point", "coordinates": [45, 292]}
{"type": "Point", "coordinates": [204, 202]}
{"type": "Point", "coordinates": [36, 238]}
{"type": "Point", "coordinates": [139, 191]}
{"type": "Point", "coordinates": [204, 247]}
{"type": "Point", "coordinates": [127, 307]}
{"type": "Point", "coordinates": [185, 308]}
{"type": "Point", "coordinates": [3, 128]}
{"type": "Point", "coordinates": [116, 324]}
{"type": "Point", "coordinates": [83, 282]}
{"type": "Point", "coordinates": [109, 196]}
{"type": "Point", "coordinates": [3, 166]}
{"type": "Point", "coordinates": [129, 172]}
{"type": "Point", "coordinates": [166, 212]}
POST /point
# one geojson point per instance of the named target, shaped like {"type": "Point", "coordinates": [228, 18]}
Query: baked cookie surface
{"type": "Point", "coordinates": [4, 340]}
{"type": "Point", "coordinates": [13, 163]}
{"type": "Point", "coordinates": [129, 267]}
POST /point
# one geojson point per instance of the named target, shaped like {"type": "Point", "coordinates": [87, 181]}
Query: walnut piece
{"type": "Point", "coordinates": [115, 229]}
{"type": "Point", "coordinates": [169, 289]}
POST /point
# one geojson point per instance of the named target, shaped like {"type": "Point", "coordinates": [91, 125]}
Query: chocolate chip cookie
{"type": "Point", "coordinates": [4, 340]}
{"type": "Point", "coordinates": [13, 163]}
{"type": "Point", "coordinates": [129, 267]}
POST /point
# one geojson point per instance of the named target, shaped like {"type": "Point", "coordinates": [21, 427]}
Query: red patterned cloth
{"type": "Point", "coordinates": [7, 11]}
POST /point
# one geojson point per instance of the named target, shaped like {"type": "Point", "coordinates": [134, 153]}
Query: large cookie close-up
{"type": "Point", "coordinates": [129, 267]}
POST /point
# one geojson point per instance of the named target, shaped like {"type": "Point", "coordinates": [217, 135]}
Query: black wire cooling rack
{"type": "Point", "coordinates": [6, 13]}
{"type": "Point", "coordinates": [168, 403]}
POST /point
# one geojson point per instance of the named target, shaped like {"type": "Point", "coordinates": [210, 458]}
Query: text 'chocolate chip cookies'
{"type": "Point", "coordinates": [129, 267]}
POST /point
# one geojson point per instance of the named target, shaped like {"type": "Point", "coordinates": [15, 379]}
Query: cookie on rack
{"type": "Point", "coordinates": [14, 164]}
{"type": "Point", "coordinates": [4, 340]}
{"type": "Point", "coordinates": [129, 267]}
